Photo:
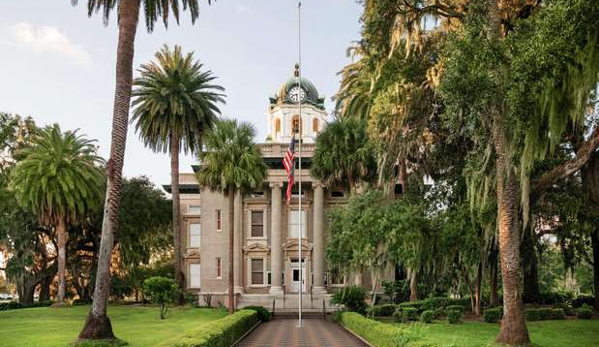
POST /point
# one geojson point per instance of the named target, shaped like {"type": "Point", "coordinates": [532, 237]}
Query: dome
{"type": "Point", "coordinates": [311, 93]}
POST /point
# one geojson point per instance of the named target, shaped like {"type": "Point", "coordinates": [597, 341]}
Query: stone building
{"type": "Point", "coordinates": [266, 228]}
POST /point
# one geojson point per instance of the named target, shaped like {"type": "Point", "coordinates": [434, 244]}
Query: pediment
{"type": "Point", "coordinates": [256, 247]}
{"type": "Point", "coordinates": [293, 245]}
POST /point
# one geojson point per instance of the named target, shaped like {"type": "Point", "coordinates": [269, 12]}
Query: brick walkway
{"type": "Point", "coordinates": [314, 333]}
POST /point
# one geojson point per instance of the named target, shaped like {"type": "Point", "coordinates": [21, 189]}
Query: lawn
{"type": "Point", "coordinates": [553, 333]}
{"type": "Point", "coordinates": [58, 327]}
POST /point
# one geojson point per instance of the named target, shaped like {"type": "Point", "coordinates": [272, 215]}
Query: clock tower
{"type": "Point", "coordinates": [283, 112]}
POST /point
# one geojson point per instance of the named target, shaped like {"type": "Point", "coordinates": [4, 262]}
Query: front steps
{"type": "Point", "coordinates": [286, 306]}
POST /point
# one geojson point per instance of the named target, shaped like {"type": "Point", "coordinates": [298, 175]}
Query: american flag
{"type": "Point", "coordinates": [289, 163]}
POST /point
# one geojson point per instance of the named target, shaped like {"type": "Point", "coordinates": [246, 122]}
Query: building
{"type": "Point", "coordinates": [266, 249]}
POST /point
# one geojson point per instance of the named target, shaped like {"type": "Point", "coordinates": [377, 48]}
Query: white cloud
{"type": "Point", "coordinates": [45, 39]}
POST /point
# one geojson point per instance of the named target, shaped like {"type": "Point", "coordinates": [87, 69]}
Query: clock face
{"type": "Point", "coordinates": [296, 94]}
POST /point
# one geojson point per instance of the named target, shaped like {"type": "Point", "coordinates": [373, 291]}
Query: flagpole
{"type": "Point", "coordinates": [299, 49]}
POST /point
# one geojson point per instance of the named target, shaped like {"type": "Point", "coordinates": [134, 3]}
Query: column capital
{"type": "Point", "coordinates": [317, 184]}
{"type": "Point", "coordinates": [275, 184]}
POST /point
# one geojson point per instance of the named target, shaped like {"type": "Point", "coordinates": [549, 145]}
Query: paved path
{"type": "Point", "coordinates": [314, 333]}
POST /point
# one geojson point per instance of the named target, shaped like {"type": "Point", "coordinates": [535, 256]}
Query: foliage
{"type": "Point", "coordinates": [352, 297]}
{"type": "Point", "coordinates": [13, 305]}
{"type": "Point", "coordinates": [427, 316]}
{"type": "Point", "coordinates": [343, 154]}
{"type": "Point", "coordinates": [383, 335]}
{"type": "Point", "coordinates": [493, 315]}
{"type": "Point", "coordinates": [410, 313]}
{"type": "Point", "coordinates": [385, 310]}
{"type": "Point", "coordinates": [162, 291]}
{"type": "Point", "coordinates": [192, 299]}
{"type": "Point", "coordinates": [456, 308]}
{"type": "Point", "coordinates": [263, 314]}
{"type": "Point", "coordinates": [582, 300]}
{"type": "Point", "coordinates": [536, 314]}
{"type": "Point", "coordinates": [454, 316]}
{"type": "Point", "coordinates": [585, 312]}
{"type": "Point", "coordinates": [220, 333]}
{"type": "Point", "coordinates": [174, 99]}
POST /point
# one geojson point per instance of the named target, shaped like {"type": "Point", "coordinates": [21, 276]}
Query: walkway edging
{"type": "Point", "coordinates": [357, 336]}
{"type": "Point", "coordinates": [246, 333]}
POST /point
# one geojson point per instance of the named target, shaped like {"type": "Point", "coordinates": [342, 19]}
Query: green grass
{"type": "Point", "coordinates": [552, 333]}
{"type": "Point", "coordinates": [58, 327]}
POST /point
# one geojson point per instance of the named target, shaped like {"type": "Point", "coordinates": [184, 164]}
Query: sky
{"type": "Point", "coordinates": [57, 64]}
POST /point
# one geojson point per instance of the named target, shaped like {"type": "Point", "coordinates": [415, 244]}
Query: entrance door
{"type": "Point", "coordinates": [295, 276]}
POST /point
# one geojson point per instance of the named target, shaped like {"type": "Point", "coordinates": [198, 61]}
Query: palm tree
{"type": "Point", "coordinates": [174, 103]}
{"type": "Point", "coordinates": [343, 154]}
{"type": "Point", "coordinates": [97, 325]}
{"type": "Point", "coordinates": [231, 162]}
{"type": "Point", "coordinates": [60, 181]}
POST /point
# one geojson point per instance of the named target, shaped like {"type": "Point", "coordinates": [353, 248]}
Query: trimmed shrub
{"type": "Point", "coordinates": [14, 305]}
{"type": "Point", "coordinates": [162, 291]}
{"type": "Point", "coordinates": [399, 316]}
{"type": "Point", "coordinates": [383, 335]}
{"type": "Point", "coordinates": [557, 313]}
{"type": "Point", "coordinates": [461, 302]}
{"type": "Point", "coordinates": [219, 333]}
{"type": "Point", "coordinates": [454, 316]}
{"type": "Point", "coordinates": [427, 316]}
{"type": "Point", "coordinates": [584, 312]}
{"type": "Point", "coordinates": [352, 297]}
{"type": "Point", "coordinates": [385, 310]}
{"type": "Point", "coordinates": [544, 313]}
{"type": "Point", "coordinates": [439, 312]}
{"type": "Point", "coordinates": [533, 314]}
{"type": "Point", "coordinates": [581, 300]}
{"type": "Point", "coordinates": [410, 313]}
{"type": "Point", "coordinates": [412, 304]}
{"type": "Point", "coordinates": [493, 315]}
{"type": "Point", "coordinates": [434, 303]}
{"type": "Point", "coordinates": [263, 314]}
{"type": "Point", "coordinates": [460, 308]}
{"type": "Point", "coordinates": [568, 310]}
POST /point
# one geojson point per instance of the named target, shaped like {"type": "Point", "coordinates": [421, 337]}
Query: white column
{"type": "Point", "coordinates": [238, 241]}
{"type": "Point", "coordinates": [276, 256]}
{"type": "Point", "coordinates": [319, 238]}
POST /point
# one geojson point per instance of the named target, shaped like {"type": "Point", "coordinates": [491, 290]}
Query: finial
{"type": "Point", "coordinates": [296, 72]}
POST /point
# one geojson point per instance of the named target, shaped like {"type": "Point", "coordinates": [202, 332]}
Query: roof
{"type": "Point", "coordinates": [312, 96]}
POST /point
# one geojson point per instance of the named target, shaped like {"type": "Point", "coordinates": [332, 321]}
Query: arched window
{"type": "Point", "coordinates": [315, 125]}
{"type": "Point", "coordinates": [295, 124]}
{"type": "Point", "coordinates": [277, 126]}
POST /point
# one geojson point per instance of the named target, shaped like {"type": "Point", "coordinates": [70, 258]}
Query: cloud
{"type": "Point", "coordinates": [46, 39]}
{"type": "Point", "coordinates": [242, 9]}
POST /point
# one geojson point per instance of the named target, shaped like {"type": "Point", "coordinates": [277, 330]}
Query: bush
{"type": "Point", "coordinates": [585, 312]}
{"type": "Point", "coordinates": [385, 310]}
{"type": "Point", "coordinates": [383, 335]}
{"type": "Point", "coordinates": [465, 302]}
{"type": "Point", "coordinates": [427, 316]}
{"type": "Point", "coordinates": [82, 302]}
{"type": "Point", "coordinates": [192, 299]}
{"type": "Point", "coordinates": [581, 300]}
{"type": "Point", "coordinates": [454, 316]}
{"type": "Point", "coordinates": [533, 314]}
{"type": "Point", "coordinates": [568, 310]}
{"type": "Point", "coordinates": [14, 305]}
{"type": "Point", "coordinates": [460, 308]}
{"type": "Point", "coordinates": [493, 315]}
{"type": "Point", "coordinates": [545, 313]}
{"type": "Point", "coordinates": [557, 313]}
{"type": "Point", "coordinates": [439, 312]}
{"type": "Point", "coordinates": [413, 304]}
{"type": "Point", "coordinates": [352, 297]}
{"type": "Point", "coordinates": [434, 303]}
{"type": "Point", "coordinates": [222, 332]}
{"type": "Point", "coordinates": [263, 314]}
{"type": "Point", "coordinates": [162, 291]}
{"type": "Point", "coordinates": [410, 313]}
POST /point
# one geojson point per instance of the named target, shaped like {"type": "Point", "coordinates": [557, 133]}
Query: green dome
{"type": "Point", "coordinates": [312, 96]}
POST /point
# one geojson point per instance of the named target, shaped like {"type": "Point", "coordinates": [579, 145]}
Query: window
{"type": "Point", "coordinates": [195, 209]}
{"type": "Point", "coordinates": [257, 271]}
{"type": "Point", "coordinates": [277, 127]}
{"type": "Point", "coordinates": [194, 276]}
{"type": "Point", "coordinates": [315, 125]}
{"type": "Point", "coordinates": [219, 267]}
{"type": "Point", "coordinates": [294, 221]}
{"type": "Point", "coordinates": [195, 232]}
{"type": "Point", "coordinates": [257, 224]}
{"type": "Point", "coordinates": [219, 221]}
{"type": "Point", "coordinates": [296, 124]}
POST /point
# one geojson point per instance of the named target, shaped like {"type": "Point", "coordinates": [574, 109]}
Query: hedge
{"type": "Point", "coordinates": [219, 333]}
{"type": "Point", "coordinates": [385, 310]}
{"type": "Point", "coordinates": [263, 314]}
{"type": "Point", "coordinates": [493, 315]}
{"type": "Point", "coordinates": [585, 312]}
{"type": "Point", "coordinates": [454, 316]}
{"type": "Point", "coordinates": [535, 314]}
{"type": "Point", "coordinates": [427, 316]}
{"type": "Point", "coordinates": [13, 305]}
{"type": "Point", "coordinates": [381, 334]}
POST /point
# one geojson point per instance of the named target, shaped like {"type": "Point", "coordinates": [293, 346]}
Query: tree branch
{"type": "Point", "coordinates": [583, 155]}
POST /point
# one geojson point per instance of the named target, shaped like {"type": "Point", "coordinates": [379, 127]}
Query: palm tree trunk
{"type": "Point", "coordinates": [97, 325]}
{"type": "Point", "coordinates": [493, 277]}
{"type": "Point", "coordinates": [530, 266]}
{"type": "Point", "coordinates": [231, 196]}
{"type": "Point", "coordinates": [179, 278]}
{"type": "Point", "coordinates": [61, 231]}
{"type": "Point", "coordinates": [513, 326]}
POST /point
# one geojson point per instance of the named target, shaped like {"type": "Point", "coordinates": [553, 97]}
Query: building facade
{"type": "Point", "coordinates": [266, 228]}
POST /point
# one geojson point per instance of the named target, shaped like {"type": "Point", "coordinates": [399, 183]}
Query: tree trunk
{"type": "Point", "coordinates": [97, 325]}
{"type": "Point", "coordinates": [590, 184]}
{"type": "Point", "coordinates": [413, 284]}
{"type": "Point", "coordinates": [179, 278]}
{"type": "Point", "coordinates": [477, 289]}
{"type": "Point", "coordinates": [231, 194]}
{"type": "Point", "coordinates": [45, 288]}
{"type": "Point", "coordinates": [493, 277]}
{"type": "Point", "coordinates": [513, 326]}
{"type": "Point", "coordinates": [61, 231]}
{"type": "Point", "coordinates": [530, 266]}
